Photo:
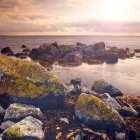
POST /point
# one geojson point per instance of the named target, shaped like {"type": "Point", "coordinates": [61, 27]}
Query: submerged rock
{"type": "Point", "coordinates": [7, 51]}
{"type": "Point", "coordinates": [29, 83]}
{"type": "Point", "coordinates": [101, 86]}
{"type": "Point", "coordinates": [95, 113]}
{"type": "Point", "coordinates": [28, 128]}
{"type": "Point", "coordinates": [16, 112]}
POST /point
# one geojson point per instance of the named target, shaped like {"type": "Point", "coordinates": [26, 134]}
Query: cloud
{"type": "Point", "coordinates": [67, 16]}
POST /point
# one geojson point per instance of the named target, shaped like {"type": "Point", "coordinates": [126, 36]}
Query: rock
{"type": "Point", "coordinates": [99, 50]}
{"type": "Point", "coordinates": [27, 82]}
{"type": "Point", "coordinates": [28, 128]}
{"type": "Point", "coordinates": [26, 50]}
{"type": "Point", "coordinates": [16, 112]}
{"type": "Point", "coordinates": [132, 54]}
{"type": "Point", "coordinates": [127, 49]}
{"type": "Point", "coordinates": [93, 112]}
{"type": "Point", "coordinates": [2, 112]}
{"type": "Point", "coordinates": [5, 125]}
{"type": "Point", "coordinates": [7, 51]}
{"type": "Point", "coordinates": [44, 51]}
{"type": "Point", "coordinates": [138, 109]}
{"type": "Point", "coordinates": [79, 135]}
{"type": "Point", "coordinates": [76, 81]}
{"type": "Point", "coordinates": [73, 58]}
{"type": "Point", "coordinates": [99, 46]}
{"type": "Point", "coordinates": [128, 111]}
{"type": "Point", "coordinates": [111, 101]}
{"type": "Point", "coordinates": [121, 136]}
{"type": "Point", "coordinates": [23, 46]}
{"type": "Point", "coordinates": [111, 57]}
{"type": "Point", "coordinates": [137, 50]}
{"type": "Point", "coordinates": [101, 86]}
{"type": "Point", "coordinates": [21, 55]}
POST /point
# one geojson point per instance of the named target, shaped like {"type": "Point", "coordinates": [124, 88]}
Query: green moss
{"type": "Point", "coordinates": [94, 106]}
{"type": "Point", "coordinates": [20, 78]}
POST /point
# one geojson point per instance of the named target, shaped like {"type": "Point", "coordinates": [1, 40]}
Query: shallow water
{"type": "Point", "coordinates": [125, 75]}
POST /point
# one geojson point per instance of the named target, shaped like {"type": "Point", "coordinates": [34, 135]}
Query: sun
{"type": "Point", "coordinates": [113, 10]}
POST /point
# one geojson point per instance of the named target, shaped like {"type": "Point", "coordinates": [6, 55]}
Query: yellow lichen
{"type": "Point", "coordinates": [13, 132]}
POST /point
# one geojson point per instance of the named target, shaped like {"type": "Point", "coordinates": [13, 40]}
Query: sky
{"type": "Point", "coordinates": [70, 17]}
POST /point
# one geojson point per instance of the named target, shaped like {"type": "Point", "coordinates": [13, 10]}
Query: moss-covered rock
{"type": "Point", "coordinates": [28, 128]}
{"type": "Point", "coordinates": [98, 114]}
{"type": "Point", "coordinates": [30, 83]}
{"type": "Point", "coordinates": [17, 112]}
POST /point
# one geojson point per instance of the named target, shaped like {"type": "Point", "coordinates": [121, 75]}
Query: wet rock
{"type": "Point", "coordinates": [128, 111]}
{"type": "Point", "coordinates": [23, 84]}
{"type": "Point", "coordinates": [111, 57]}
{"type": "Point", "coordinates": [28, 128]}
{"type": "Point", "coordinates": [23, 46]}
{"type": "Point", "coordinates": [44, 52]}
{"type": "Point", "coordinates": [99, 46]}
{"type": "Point", "coordinates": [111, 101]}
{"type": "Point", "coordinates": [26, 50]}
{"type": "Point", "coordinates": [101, 86]}
{"type": "Point", "coordinates": [16, 112]}
{"type": "Point", "coordinates": [5, 125]}
{"type": "Point", "coordinates": [121, 136]}
{"type": "Point", "coordinates": [76, 81]}
{"type": "Point", "coordinates": [21, 55]}
{"type": "Point", "coordinates": [7, 51]}
{"type": "Point", "coordinates": [132, 54]}
{"type": "Point", "coordinates": [138, 109]}
{"type": "Point", "coordinates": [137, 50]}
{"type": "Point", "coordinates": [96, 114]}
{"type": "Point", "coordinates": [73, 58]}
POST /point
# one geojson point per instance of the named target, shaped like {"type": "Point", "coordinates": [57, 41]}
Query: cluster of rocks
{"type": "Point", "coordinates": [22, 55]}
{"type": "Point", "coordinates": [48, 53]}
{"type": "Point", "coordinates": [37, 105]}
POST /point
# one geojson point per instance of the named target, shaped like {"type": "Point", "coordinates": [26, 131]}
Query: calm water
{"type": "Point", "coordinates": [125, 74]}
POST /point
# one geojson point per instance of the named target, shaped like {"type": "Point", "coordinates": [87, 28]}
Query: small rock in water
{"type": "Point", "coordinates": [101, 86]}
{"type": "Point", "coordinates": [76, 81]}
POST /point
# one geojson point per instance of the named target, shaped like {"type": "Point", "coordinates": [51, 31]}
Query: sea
{"type": "Point", "coordinates": [125, 75]}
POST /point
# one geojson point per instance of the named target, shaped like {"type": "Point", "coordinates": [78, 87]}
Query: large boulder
{"type": "Point", "coordinates": [16, 112]}
{"type": "Point", "coordinates": [29, 83]}
{"type": "Point", "coordinates": [101, 86]}
{"type": "Point", "coordinates": [73, 58]}
{"type": "Point", "coordinates": [111, 57]}
{"type": "Point", "coordinates": [7, 51]}
{"type": "Point", "coordinates": [44, 51]}
{"type": "Point", "coordinates": [28, 128]}
{"type": "Point", "coordinates": [97, 114]}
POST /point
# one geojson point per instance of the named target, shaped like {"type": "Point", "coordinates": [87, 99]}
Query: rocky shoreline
{"type": "Point", "coordinates": [37, 105]}
{"type": "Point", "coordinates": [73, 55]}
